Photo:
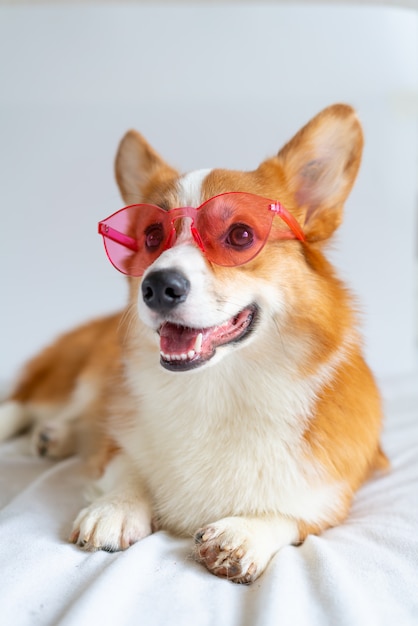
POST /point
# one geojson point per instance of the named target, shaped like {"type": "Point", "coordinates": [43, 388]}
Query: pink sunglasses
{"type": "Point", "coordinates": [230, 229]}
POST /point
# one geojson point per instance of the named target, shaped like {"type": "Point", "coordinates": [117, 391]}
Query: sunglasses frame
{"type": "Point", "coordinates": [175, 214]}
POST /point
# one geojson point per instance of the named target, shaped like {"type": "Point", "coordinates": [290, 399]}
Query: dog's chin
{"type": "Point", "coordinates": [183, 348]}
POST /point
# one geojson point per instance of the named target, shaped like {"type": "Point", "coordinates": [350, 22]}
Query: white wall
{"type": "Point", "coordinates": [212, 85]}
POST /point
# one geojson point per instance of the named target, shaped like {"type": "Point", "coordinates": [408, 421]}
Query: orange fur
{"type": "Point", "coordinates": [90, 350]}
{"type": "Point", "coordinates": [89, 354]}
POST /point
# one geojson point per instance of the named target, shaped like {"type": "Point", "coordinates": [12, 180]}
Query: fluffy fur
{"type": "Point", "coordinates": [269, 439]}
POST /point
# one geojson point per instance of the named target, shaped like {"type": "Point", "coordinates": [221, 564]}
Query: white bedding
{"type": "Point", "coordinates": [59, 131]}
{"type": "Point", "coordinates": [364, 572]}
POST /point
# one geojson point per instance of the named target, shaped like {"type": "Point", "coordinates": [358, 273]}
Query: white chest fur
{"type": "Point", "coordinates": [225, 441]}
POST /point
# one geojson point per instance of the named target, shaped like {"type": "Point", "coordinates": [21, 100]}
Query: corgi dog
{"type": "Point", "coordinates": [231, 400]}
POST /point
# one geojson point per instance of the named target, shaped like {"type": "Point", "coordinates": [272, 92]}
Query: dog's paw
{"type": "Point", "coordinates": [228, 549]}
{"type": "Point", "coordinates": [54, 439]}
{"type": "Point", "coordinates": [111, 525]}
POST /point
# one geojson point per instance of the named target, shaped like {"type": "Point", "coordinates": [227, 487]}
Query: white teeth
{"type": "Point", "coordinates": [178, 357]}
{"type": "Point", "coordinates": [198, 343]}
{"type": "Point", "coordinates": [183, 356]}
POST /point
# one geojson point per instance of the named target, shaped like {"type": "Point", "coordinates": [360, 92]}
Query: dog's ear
{"type": "Point", "coordinates": [136, 165]}
{"type": "Point", "coordinates": [320, 165]}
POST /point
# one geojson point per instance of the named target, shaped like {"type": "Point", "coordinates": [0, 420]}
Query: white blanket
{"type": "Point", "coordinates": [364, 572]}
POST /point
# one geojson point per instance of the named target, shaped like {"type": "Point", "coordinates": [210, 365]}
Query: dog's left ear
{"type": "Point", "coordinates": [320, 165]}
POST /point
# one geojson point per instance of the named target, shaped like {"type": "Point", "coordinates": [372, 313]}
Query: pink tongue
{"type": "Point", "coordinates": [180, 340]}
{"type": "Point", "coordinates": [177, 339]}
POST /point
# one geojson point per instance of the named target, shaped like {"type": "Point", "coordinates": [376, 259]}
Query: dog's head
{"type": "Point", "coordinates": [233, 270]}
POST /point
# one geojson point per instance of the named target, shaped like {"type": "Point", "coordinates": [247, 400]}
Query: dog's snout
{"type": "Point", "coordinates": [162, 290]}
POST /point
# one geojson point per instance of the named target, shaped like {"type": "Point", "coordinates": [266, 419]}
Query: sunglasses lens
{"type": "Point", "coordinates": [234, 227]}
{"type": "Point", "coordinates": [134, 237]}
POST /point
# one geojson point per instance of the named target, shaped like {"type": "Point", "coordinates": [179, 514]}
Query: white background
{"type": "Point", "coordinates": [211, 85]}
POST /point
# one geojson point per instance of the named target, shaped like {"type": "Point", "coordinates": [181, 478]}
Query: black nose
{"type": "Point", "coordinates": [162, 290]}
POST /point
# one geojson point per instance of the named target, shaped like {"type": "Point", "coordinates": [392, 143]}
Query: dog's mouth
{"type": "Point", "coordinates": [183, 348]}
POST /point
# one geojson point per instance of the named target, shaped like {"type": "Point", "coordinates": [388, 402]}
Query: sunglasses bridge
{"type": "Point", "coordinates": [183, 213]}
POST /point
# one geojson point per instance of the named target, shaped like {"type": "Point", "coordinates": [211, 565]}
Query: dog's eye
{"type": "Point", "coordinates": [239, 236]}
{"type": "Point", "coordinates": [154, 236]}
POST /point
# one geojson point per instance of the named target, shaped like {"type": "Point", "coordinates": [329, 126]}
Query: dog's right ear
{"type": "Point", "coordinates": [136, 165]}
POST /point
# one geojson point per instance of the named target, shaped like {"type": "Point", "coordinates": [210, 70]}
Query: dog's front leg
{"type": "Point", "coordinates": [120, 513]}
{"type": "Point", "coordinates": [239, 548]}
